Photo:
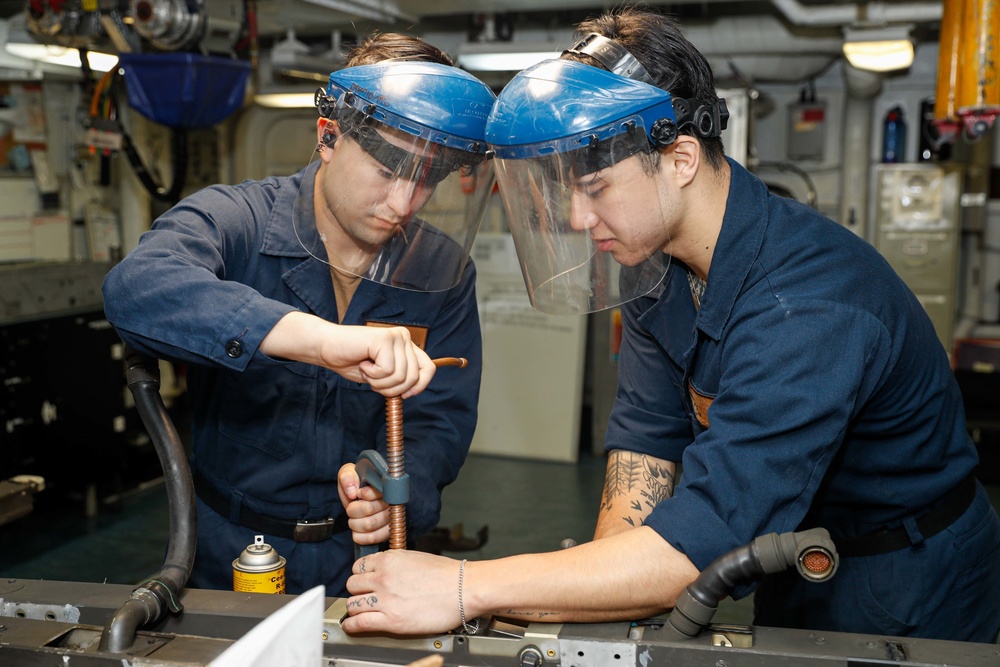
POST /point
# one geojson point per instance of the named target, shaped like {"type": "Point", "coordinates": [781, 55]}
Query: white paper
{"type": "Point", "coordinates": [290, 637]}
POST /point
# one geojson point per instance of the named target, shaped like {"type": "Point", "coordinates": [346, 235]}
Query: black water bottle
{"type": "Point", "coordinates": [894, 136]}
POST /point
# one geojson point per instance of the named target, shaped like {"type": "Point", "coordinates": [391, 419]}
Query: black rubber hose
{"type": "Point", "coordinates": [119, 634]}
{"type": "Point", "coordinates": [718, 580]}
{"type": "Point", "coordinates": [179, 157]}
{"type": "Point", "coordinates": [698, 602]}
{"type": "Point", "coordinates": [161, 593]}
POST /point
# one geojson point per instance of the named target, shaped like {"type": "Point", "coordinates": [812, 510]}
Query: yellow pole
{"type": "Point", "coordinates": [945, 107]}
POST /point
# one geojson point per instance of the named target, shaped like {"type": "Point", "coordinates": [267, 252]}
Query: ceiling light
{"type": "Point", "coordinates": [62, 55]}
{"type": "Point", "coordinates": [882, 49]}
{"type": "Point", "coordinates": [504, 56]}
{"type": "Point", "coordinates": [286, 99]}
{"type": "Point", "coordinates": [18, 42]}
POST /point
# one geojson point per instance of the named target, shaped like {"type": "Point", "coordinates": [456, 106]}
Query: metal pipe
{"type": "Point", "coordinates": [376, 10]}
{"type": "Point", "coordinates": [756, 35]}
{"type": "Point", "coordinates": [867, 12]}
{"type": "Point", "coordinates": [862, 87]}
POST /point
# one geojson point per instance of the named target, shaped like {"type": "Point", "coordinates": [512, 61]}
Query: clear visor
{"type": "Point", "coordinates": [395, 208]}
{"type": "Point", "coordinates": [587, 222]}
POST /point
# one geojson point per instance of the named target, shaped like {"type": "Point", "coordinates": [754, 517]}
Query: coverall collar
{"type": "Point", "coordinates": [297, 197]}
{"type": "Point", "coordinates": [310, 280]}
{"type": "Point", "coordinates": [739, 244]}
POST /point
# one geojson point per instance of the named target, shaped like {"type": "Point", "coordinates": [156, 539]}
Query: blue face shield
{"type": "Point", "coordinates": [578, 151]}
{"type": "Point", "coordinates": [408, 155]}
{"type": "Point", "coordinates": [576, 164]}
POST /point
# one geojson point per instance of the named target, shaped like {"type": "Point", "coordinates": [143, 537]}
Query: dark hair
{"type": "Point", "coordinates": [672, 61]}
{"type": "Point", "coordinates": [379, 46]}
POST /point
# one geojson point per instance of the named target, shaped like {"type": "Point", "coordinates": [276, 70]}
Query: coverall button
{"type": "Point", "coordinates": [234, 348]}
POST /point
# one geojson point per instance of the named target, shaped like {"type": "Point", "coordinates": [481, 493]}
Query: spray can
{"type": "Point", "coordinates": [894, 136]}
{"type": "Point", "coordinates": [259, 569]}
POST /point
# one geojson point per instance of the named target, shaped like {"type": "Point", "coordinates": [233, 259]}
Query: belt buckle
{"type": "Point", "coordinates": [313, 531]}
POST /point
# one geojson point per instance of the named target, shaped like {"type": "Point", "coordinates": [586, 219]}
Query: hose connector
{"type": "Point", "coordinates": [812, 552]}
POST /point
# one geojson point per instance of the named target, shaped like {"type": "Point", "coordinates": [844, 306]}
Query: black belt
{"type": "Point", "coordinates": [951, 507]}
{"type": "Point", "coordinates": [300, 531]}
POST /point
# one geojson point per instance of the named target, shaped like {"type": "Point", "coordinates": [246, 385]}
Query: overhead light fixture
{"type": "Point", "coordinates": [504, 56]}
{"type": "Point", "coordinates": [22, 45]}
{"type": "Point", "coordinates": [879, 49]}
{"type": "Point", "coordinates": [286, 99]}
{"type": "Point", "coordinates": [62, 55]}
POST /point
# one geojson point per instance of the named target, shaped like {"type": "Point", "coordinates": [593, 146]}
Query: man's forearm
{"type": "Point", "coordinates": [628, 576]}
{"type": "Point", "coordinates": [294, 338]}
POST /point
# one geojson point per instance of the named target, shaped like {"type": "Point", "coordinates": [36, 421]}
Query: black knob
{"type": "Point", "coordinates": [663, 132]}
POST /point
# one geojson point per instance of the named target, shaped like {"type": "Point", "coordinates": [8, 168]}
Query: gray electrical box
{"type": "Point", "coordinates": [806, 130]}
{"type": "Point", "coordinates": [916, 228]}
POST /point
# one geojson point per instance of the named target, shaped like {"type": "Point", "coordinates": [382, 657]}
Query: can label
{"type": "Point", "coordinates": [259, 582]}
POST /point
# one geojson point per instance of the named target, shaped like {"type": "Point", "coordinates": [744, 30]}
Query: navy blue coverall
{"type": "Point", "coordinates": [808, 390]}
{"type": "Point", "coordinates": [203, 287]}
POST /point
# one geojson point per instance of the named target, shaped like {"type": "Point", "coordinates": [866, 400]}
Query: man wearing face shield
{"type": "Point", "coordinates": [767, 350]}
{"type": "Point", "coordinates": [291, 299]}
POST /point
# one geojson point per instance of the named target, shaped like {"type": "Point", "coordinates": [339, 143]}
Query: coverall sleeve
{"type": "Point", "coordinates": [792, 376]}
{"type": "Point", "coordinates": [649, 415]}
{"type": "Point", "coordinates": [178, 294]}
{"type": "Point", "coordinates": [438, 423]}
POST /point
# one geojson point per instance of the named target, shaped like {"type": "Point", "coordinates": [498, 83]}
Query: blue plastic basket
{"type": "Point", "coordinates": [184, 90]}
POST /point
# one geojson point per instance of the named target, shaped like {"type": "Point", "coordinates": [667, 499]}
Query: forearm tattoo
{"type": "Point", "coordinates": [639, 477]}
{"type": "Point", "coordinates": [527, 614]}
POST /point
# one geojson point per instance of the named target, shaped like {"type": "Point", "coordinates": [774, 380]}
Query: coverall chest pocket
{"type": "Point", "coordinates": [700, 403]}
{"type": "Point", "coordinates": [265, 408]}
{"type": "Point", "coordinates": [703, 387]}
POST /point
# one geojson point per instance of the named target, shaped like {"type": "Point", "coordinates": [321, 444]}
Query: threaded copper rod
{"type": "Point", "coordinates": [394, 454]}
{"type": "Point", "coordinates": [394, 459]}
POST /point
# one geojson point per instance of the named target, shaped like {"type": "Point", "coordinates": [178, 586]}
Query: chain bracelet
{"type": "Point", "coordinates": [473, 627]}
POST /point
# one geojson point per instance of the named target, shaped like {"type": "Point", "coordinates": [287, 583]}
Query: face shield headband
{"type": "Point", "coordinates": [433, 102]}
{"type": "Point", "coordinates": [707, 119]}
{"type": "Point", "coordinates": [431, 167]}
